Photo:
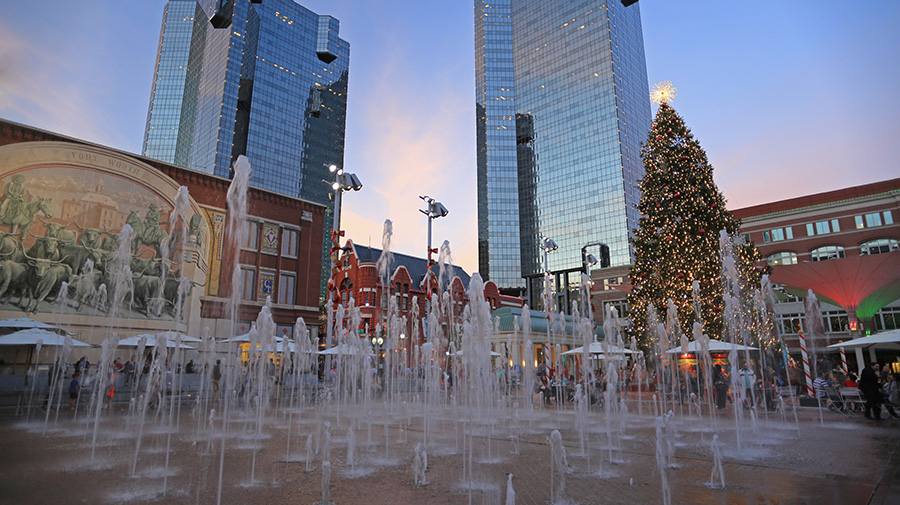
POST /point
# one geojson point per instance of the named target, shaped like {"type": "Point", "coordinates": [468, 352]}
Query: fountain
{"type": "Point", "coordinates": [450, 404]}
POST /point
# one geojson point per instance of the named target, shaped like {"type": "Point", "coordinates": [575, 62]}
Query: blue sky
{"type": "Point", "coordinates": [788, 98]}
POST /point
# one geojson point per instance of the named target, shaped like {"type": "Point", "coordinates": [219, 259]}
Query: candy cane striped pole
{"type": "Point", "coordinates": [809, 381]}
{"type": "Point", "coordinates": [844, 361]}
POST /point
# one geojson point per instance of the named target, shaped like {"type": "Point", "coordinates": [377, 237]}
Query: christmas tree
{"type": "Point", "coordinates": [677, 241]}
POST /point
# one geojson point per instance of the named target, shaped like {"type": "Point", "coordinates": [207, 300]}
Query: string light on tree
{"type": "Point", "coordinates": [677, 240]}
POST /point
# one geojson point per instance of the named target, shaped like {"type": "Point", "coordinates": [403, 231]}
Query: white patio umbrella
{"type": "Point", "coordinates": [32, 335]}
{"type": "Point", "coordinates": [493, 353]}
{"type": "Point", "coordinates": [714, 346]}
{"type": "Point", "coordinates": [24, 323]}
{"type": "Point", "coordinates": [598, 348]}
{"type": "Point", "coordinates": [279, 347]}
{"type": "Point", "coordinates": [170, 335]}
{"type": "Point", "coordinates": [151, 342]}
{"type": "Point", "coordinates": [347, 350]}
{"type": "Point", "coordinates": [607, 357]}
{"type": "Point", "coordinates": [884, 340]}
{"type": "Point", "coordinates": [245, 339]}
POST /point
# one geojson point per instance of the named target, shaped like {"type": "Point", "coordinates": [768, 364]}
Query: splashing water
{"type": "Point", "coordinates": [559, 466]}
{"type": "Point", "coordinates": [717, 476]}
{"type": "Point", "coordinates": [510, 492]}
{"type": "Point", "coordinates": [662, 460]}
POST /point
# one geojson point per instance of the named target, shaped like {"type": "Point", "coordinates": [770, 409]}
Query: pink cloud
{"type": "Point", "coordinates": [422, 144]}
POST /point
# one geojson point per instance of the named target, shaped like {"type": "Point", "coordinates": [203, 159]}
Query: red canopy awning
{"type": "Point", "coordinates": [861, 285]}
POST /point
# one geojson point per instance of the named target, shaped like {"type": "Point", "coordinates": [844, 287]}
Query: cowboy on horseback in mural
{"type": "Point", "coordinates": [148, 231]}
{"type": "Point", "coordinates": [13, 198]}
{"type": "Point", "coordinates": [16, 212]}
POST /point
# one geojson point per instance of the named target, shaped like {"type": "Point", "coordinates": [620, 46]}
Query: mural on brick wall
{"type": "Point", "coordinates": [64, 246]}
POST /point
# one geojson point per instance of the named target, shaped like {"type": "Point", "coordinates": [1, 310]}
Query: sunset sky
{"type": "Point", "coordinates": [787, 98]}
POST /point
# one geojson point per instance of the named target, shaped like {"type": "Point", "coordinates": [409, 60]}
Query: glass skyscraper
{"type": "Point", "coordinates": [267, 79]}
{"type": "Point", "coordinates": [562, 107]}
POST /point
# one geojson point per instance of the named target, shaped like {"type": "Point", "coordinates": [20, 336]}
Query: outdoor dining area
{"type": "Point", "coordinates": [32, 352]}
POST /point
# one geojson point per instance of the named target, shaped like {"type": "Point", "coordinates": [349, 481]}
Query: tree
{"type": "Point", "coordinates": [677, 241]}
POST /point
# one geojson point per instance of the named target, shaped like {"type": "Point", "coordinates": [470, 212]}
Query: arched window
{"type": "Point", "coordinates": [828, 252]}
{"type": "Point", "coordinates": [782, 258]}
{"type": "Point", "coordinates": [878, 246]}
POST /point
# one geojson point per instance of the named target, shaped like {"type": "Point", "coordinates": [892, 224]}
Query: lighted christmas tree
{"type": "Point", "coordinates": [677, 241]}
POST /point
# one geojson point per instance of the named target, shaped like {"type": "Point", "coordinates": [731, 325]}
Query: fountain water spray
{"type": "Point", "coordinates": [236, 199]}
{"type": "Point", "coordinates": [559, 465]}
{"type": "Point", "coordinates": [510, 492]}
{"type": "Point", "coordinates": [420, 466]}
{"type": "Point", "coordinates": [717, 476]}
{"type": "Point", "coordinates": [662, 460]}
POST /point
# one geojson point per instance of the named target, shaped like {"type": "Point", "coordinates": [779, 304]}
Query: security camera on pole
{"type": "Point", "coordinates": [434, 210]}
{"type": "Point", "coordinates": [342, 182]}
{"type": "Point", "coordinates": [587, 261]}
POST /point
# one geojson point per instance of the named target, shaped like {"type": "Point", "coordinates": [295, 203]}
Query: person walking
{"type": "Point", "coordinates": [216, 377]}
{"type": "Point", "coordinates": [868, 386]}
{"type": "Point", "coordinates": [74, 389]}
{"type": "Point", "coordinates": [748, 378]}
{"type": "Point", "coordinates": [720, 381]}
{"type": "Point", "coordinates": [111, 390]}
{"type": "Point", "coordinates": [129, 370]}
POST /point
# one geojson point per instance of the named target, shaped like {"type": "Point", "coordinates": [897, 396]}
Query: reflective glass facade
{"type": "Point", "coordinates": [498, 182]}
{"type": "Point", "coordinates": [562, 108]}
{"type": "Point", "coordinates": [267, 80]}
{"type": "Point", "coordinates": [173, 98]}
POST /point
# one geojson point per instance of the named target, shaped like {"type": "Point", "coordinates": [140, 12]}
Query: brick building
{"type": "Point", "coordinates": [280, 248]}
{"type": "Point", "coordinates": [359, 279]}
{"type": "Point", "coordinates": [843, 245]}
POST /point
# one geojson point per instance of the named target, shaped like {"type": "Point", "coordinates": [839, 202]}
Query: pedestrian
{"type": "Point", "coordinates": [748, 378]}
{"type": "Point", "coordinates": [111, 389]}
{"type": "Point", "coordinates": [216, 377]}
{"type": "Point", "coordinates": [80, 365]}
{"type": "Point", "coordinates": [894, 390]}
{"type": "Point", "coordinates": [128, 369]}
{"type": "Point", "coordinates": [890, 389]}
{"type": "Point", "coordinates": [720, 382]}
{"type": "Point", "coordinates": [868, 386]}
{"type": "Point", "coordinates": [769, 383]}
{"type": "Point", "coordinates": [74, 389]}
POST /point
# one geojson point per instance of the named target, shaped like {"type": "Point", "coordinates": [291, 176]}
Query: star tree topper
{"type": "Point", "coordinates": [663, 92]}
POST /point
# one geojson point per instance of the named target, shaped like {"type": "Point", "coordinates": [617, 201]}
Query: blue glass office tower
{"type": "Point", "coordinates": [562, 107]}
{"type": "Point", "coordinates": [267, 79]}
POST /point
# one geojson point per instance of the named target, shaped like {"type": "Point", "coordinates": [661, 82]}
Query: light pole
{"type": "Point", "coordinates": [342, 182]}
{"type": "Point", "coordinates": [434, 210]}
{"type": "Point", "coordinates": [587, 261]}
{"type": "Point", "coordinates": [547, 245]}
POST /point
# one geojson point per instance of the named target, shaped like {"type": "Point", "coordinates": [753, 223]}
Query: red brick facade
{"type": "Point", "coordinates": [358, 278]}
{"type": "Point", "coordinates": [277, 211]}
{"type": "Point", "coordinates": [842, 244]}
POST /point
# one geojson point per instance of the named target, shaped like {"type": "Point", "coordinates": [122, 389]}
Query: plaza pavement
{"type": "Point", "coordinates": [840, 460]}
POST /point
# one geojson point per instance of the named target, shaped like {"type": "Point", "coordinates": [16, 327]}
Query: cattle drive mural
{"type": "Point", "coordinates": [62, 249]}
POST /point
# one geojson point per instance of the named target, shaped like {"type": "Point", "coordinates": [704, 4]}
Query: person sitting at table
{"type": "Point", "coordinates": [823, 381]}
{"type": "Point", "coordinates": [850, 381]}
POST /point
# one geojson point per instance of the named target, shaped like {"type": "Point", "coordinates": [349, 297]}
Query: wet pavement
{"type": "Point", "coordinates": [839, 459]}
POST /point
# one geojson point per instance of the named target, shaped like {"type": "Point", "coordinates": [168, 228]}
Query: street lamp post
{"type": "Point", "coordinates": [587, 261]}
{"type": "Point", "coordinates": [547, 245]}
{"type": "Point", "coordinates": [342, 182]}
{"type": "Point", "coordinates": [433, 211]}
